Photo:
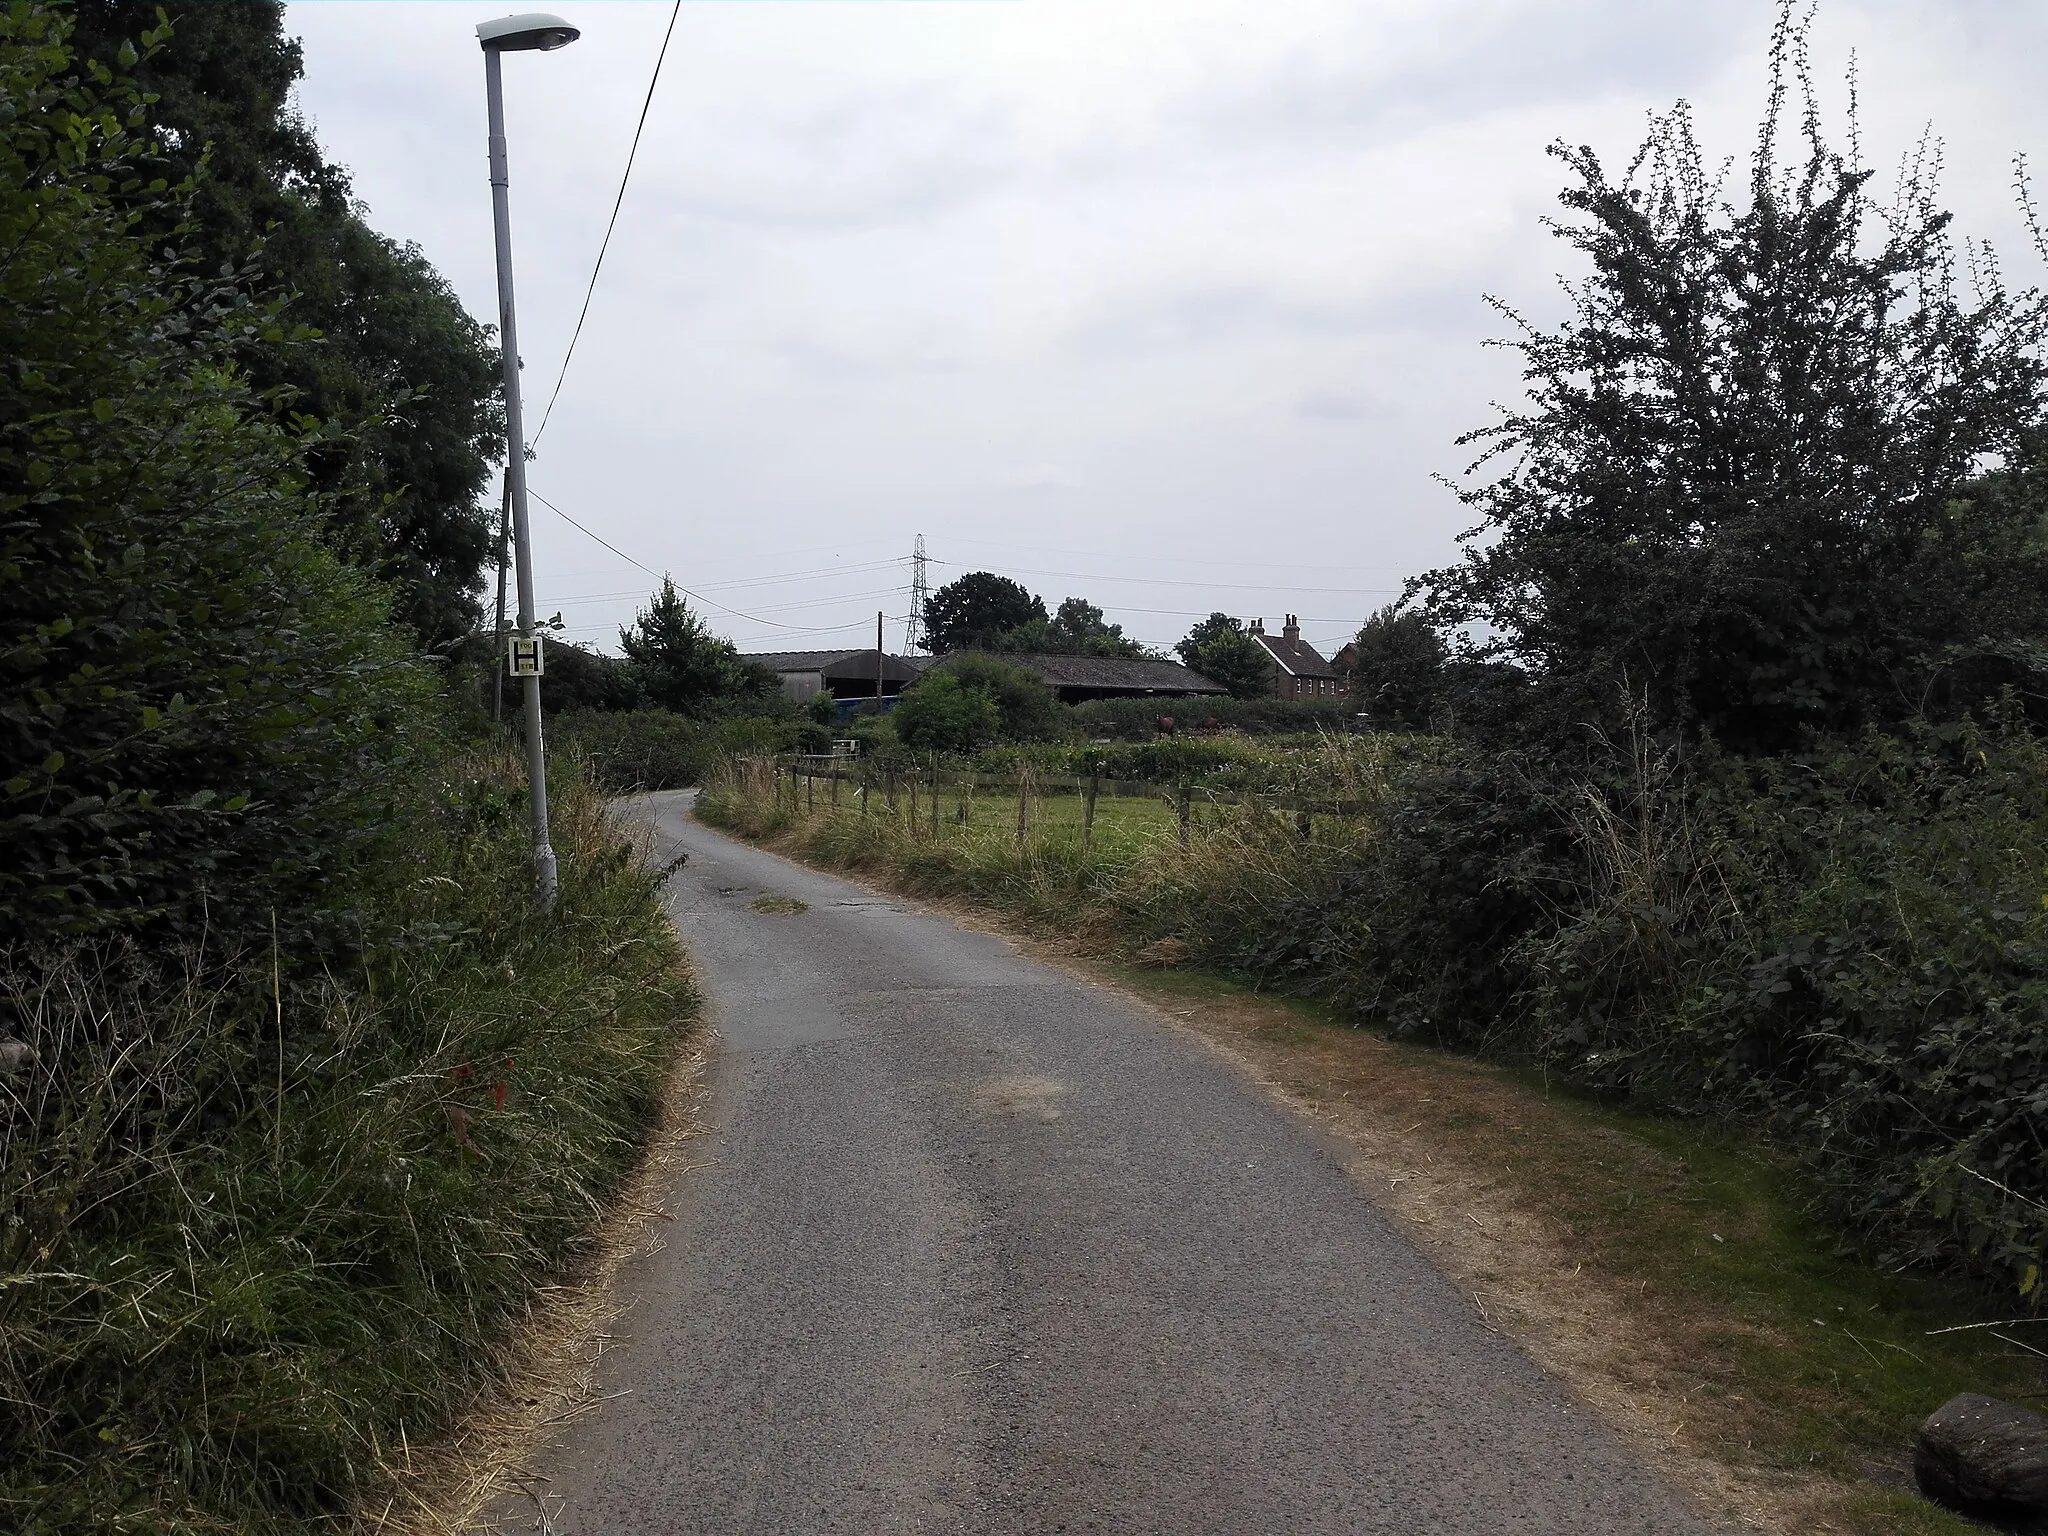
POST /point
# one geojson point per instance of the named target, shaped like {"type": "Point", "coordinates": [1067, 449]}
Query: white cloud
{"type": "Point", "coordinates": [1189, 289]}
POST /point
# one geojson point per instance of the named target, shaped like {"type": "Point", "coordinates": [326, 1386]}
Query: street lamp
{"type": "Point", "coordinates": [536, 31]}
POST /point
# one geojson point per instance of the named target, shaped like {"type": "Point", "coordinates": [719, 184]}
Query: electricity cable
{"type": "Point", "coordinates": [617, 203]}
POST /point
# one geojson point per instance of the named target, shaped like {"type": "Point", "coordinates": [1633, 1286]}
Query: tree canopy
{"type": "Point", "coordinates": [681, 665]}
{"type": "Point", "coordinates": [1222, 650]}
{"type": "Point", "coordinates": [400, 367]}
{"type": "Point", "coordinates": [1741, 487]}
{"type": "Point", "coordinates": [976, 612]}
{"type": "Point", "coordinates": [1399, 666]}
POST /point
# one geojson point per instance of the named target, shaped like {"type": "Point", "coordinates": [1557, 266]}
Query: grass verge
{"type": "Point", "coordinates": [269, 1235]}
{"type": "Point", "coordinates": [1669, 1270]}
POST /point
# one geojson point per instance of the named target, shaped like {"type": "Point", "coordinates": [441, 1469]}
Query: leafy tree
{"type": "Point", "coordinates": [199, 705]}
{"type": "Point", "coordinates": [1738, 486]}
{"type": "Point", "coordinates": [1400, 667]}
{"type": "Point", "coordinates": [580, 678]}
{"type": "Point", "coordinates": [1025, 707]}
{"type": "Point", "coordinates": [976, 612]}
{"type": "Point", "coordinates": [941, 713]}
{"type": "Point", "coordinates": [683, 666]}
{"type": "Point", "coordinates": [1220, 649]}
{"type": "Point", "coordinates": [408, 374]}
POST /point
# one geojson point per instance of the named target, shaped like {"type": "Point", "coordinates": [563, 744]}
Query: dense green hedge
{"type": "Point", "coordinates": [1258, 717]}
{"type": "Point", "coordinates": [1848, 950]}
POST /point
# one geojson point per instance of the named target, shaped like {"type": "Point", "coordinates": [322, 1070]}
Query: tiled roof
{"type": "Point", "coordinates": [1295, 656]}
{"type": "Point", "coordinates": [1142, 674]}
{"type": "Point", "coordinates": [829, 661]}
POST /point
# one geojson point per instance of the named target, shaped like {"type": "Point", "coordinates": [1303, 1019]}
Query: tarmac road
{"type": "Point", "coordinates": [982, 1248]}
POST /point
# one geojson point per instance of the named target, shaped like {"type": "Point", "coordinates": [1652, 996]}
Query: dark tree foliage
{"type": "Point", "coordinates": [199, 705]}
{"type": "Point", "coordinates": [977, 612]}
{"type": "Point", "coordinates": [1739, 487]}
{"type": "Point", "coordinates": [1397, 671]}
{"type": "Point", "coordinates": [1078, 628]}
{"type": "Point", "coordinates": [682, 666]}
{"type": "Point", "coordinates": [578, 678]}
{"type": "Point", "coordinates": [1221, 650]}
{"type": "Point", "coordinates": [402, 367]}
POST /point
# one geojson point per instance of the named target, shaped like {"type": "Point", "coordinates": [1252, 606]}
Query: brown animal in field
{"type": "Point", "coordinates": [1164, 724]}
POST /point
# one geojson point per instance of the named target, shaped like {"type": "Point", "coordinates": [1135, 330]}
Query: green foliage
{"type": "Point", "coordinates": [1026, 708]}
{"type": "Point", "coordinates": [941, 713]}
{"type": "Point", "coordinates": [1077, 629]}
{"type": "Point", "coordinates": [683, 666]}
{"type": "Point", "coordinates": [1739, 485]}
{"type": "Point", "coordinates": [245, 1259]}
{"type": "Point", "coordinates": [402, 372]}
{"type": "Point", "coordinates": [1398, 675]}
{"type": "Point", "coordinates": [635, 749]}
{"type": "Point", "coordinates": [1257, 717]}
{"type": "Point", "coordinates": [198, 704]}
{"type": "Point", "coordinates": [579, 678]}
{"type": "Point", "coordinates": [975, 612]}
{"type": "Point", "coordinates": [1221, 650]}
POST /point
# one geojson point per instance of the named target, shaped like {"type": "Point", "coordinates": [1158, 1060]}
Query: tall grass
{"type": "Point", "coordinates": [263, 1229]}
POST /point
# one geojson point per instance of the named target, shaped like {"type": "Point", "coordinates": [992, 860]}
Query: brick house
{"type": "Point", "coordinates": [1299, 673]}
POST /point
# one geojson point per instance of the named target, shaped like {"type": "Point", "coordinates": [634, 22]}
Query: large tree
{"type": "Point", "coordinates": [682, 666]}
{"type": "Point", "coordinates": [1738, 486]}
{"type": "Point", "coordinates": [1224, 652]}
{"type": "Point", "coordinates": [401, 368]}
{"type": "Point", "coordinates": [1399, 668]}
{"type": "Point", "coordinates": [976, 612]}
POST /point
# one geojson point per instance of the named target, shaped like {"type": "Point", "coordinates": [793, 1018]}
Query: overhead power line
{"type": "Point", "coordinates": [617, 203]}
{"type": "Point", "coordinates": [657, 575]}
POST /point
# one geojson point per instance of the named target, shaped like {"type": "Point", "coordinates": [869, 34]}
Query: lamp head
{"type": "Point", "coordinates": [534, 30]}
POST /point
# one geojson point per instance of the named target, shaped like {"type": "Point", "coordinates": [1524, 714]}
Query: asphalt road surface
{"type": "Point", "coordinates": [980, 1247]}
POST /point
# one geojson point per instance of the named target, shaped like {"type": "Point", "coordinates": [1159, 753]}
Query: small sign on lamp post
{"type": "Point", "coordinates": [523, 652]}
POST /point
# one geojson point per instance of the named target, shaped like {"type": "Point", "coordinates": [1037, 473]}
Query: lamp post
{"type": "Point", "coordinates": [536, 31]}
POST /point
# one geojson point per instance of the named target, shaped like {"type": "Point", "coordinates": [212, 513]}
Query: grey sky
{"type": "Point", "coordinates": [1174, 304]}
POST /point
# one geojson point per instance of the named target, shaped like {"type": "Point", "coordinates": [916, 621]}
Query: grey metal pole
{"type": "Point", "coordinates": [515, 466]}
{"type": "Point", "coordinates": [498, 630]}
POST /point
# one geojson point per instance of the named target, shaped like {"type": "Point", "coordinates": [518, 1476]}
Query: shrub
{"type": "Point", "coordinates": [198, 704]}
{"type": "Point", "coordinates": [943, 714]}
{"type": "Point", "coordinates": [635, 749]}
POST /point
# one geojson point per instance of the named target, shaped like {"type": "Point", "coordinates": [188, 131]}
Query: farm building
{"type": "Point", "coordinates": [1077, 679]}
{"type": "Point", "coordinates": [843, 674]}
{"type": "Point", "coordinates": [1299, 671]}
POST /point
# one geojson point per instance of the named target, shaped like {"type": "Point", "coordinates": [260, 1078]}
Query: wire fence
{"type": "Point", "coordinates": [937, 794]}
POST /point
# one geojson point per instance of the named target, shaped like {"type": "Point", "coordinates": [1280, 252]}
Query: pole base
{"type": "Point", "coordinates": [544, 877]}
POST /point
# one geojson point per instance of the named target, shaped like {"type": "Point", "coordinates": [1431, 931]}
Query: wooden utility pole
{"type": "Point", "coordinates": [878, 663]}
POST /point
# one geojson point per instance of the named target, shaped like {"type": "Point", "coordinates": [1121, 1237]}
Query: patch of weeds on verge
{"type": "Point", "coordinates": [783, 906]}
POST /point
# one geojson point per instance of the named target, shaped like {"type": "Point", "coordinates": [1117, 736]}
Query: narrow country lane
{"type": "Point", "coordinates": [976, 1246]}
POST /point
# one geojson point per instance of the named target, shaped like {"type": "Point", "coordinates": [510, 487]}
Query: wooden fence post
{"type": "Point", "coordinates": [1301, 822]}
{"type": "Point", "coordinates": [913, 804]}
{"type": "Point", "coordinates": [810, 792]}
{"type": "Point", "coordinates": [1187, 796]}
{"type": "Point", "coordinates": [890, 772]}
{"type": "Point", "coordinates": [1023, 803]}
{"type": "Point", "coordinates": [1088, 808]}
{"type": "Point", "coordinates": [935, 797]}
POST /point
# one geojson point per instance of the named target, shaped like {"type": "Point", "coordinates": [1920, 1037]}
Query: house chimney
{"type": "Point", "coordinates": [1293, 630]}
{"type": "Point", "coordinates": [1258, 627]}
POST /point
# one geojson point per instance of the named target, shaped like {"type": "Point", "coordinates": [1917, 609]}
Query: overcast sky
{"type": "Point", "coordinates": [1174, 304]}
